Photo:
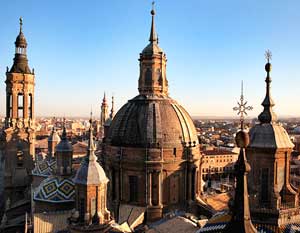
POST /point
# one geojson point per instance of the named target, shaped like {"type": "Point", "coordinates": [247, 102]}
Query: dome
{"type": "Point", "coordinates": [55, 189]}
{"type": "Point", "coordinates": [90, 173]}
{"type": "Point", "coordinates": [269, 136]}
{"type": "Point", "coordinates": [152, 48]}
{"type": "Point", "coordinates": [151, 121]}
{"type": "Point", "coordinates": [21, 41]}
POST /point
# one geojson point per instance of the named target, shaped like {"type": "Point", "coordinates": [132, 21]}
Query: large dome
{"type": "Point", "coordinates": [150, 122]}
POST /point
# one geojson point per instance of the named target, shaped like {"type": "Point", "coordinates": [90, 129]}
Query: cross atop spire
{"type": "Point", "coordinates": [242, 107]}
{"type": "Point", "coordinates": [268, 55]}
{"type": "Point", "coordinates": [268, 116]}
{"type": "Point", "coordinates": [153, 36]}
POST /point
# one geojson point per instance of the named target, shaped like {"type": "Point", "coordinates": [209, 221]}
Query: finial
{"type": "Point", "coordinates": [242, 107]}
{"type": "Point", "coordinates": [64, 133]}
{"type": "Point", "coordinates": [268, 55]}
{"type": "Point", "coordinates": [21, 23]}
{"type": "Point", "coordinates": [91, 155]}
{"type": "Point", "coordinates": [112, 111]}
{"type": "Point", "coordinates": [153, 11]}
{"type": "Point", "coordinates": [91, 116]}
{"type": "Point", "coordinates": [268, 116]}
{"type": "Point", "coordinates": [153, 37]}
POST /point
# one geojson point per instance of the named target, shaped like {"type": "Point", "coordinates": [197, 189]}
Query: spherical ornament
{"type": "Point", "coordinates": [242, 139]}
{"type": "Point", "coordinates": [152, 12]}
{"type": "Point", "coordinates": [268, 67]}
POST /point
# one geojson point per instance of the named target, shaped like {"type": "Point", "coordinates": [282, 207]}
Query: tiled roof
{"type": "Point", "coordinates": [44, 167]}
{"type": "Point", "coordinates": [55, 189]}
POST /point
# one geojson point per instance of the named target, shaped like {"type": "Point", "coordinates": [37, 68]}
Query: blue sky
{"type": "Point", "coordinates": [80, 49]}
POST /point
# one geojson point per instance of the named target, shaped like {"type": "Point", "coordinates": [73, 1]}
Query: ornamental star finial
{"type": "Point", "coordinates": [242, 108]}
{"type": "Point", "coordinates": [268, 55]}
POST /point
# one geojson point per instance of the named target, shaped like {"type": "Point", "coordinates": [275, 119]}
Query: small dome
{"type": "Point", "coordinates": [152, 48]}
{"type": "Point", "coordinates": [56, 190]}
{"type": "Point", "coordinates": [90, 173]}
{"type": "Point", "coordinates": [146, 121]}
{"type": "Point", "coordinates": [21, 41]}
{"type": "Point", "coordinates": [269, 136]}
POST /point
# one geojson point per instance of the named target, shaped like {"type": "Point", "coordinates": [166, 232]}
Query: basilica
{"type": "Point", "coordinates": [142, 164]}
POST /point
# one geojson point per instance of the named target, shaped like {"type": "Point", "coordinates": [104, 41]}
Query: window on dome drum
{"type": "Point", "coordinates": [20, 105]}
{"type": "Point", "coordinates": [9, 105]}
{"type": "Point", "coordinates": [174, 152]}
{"type": "Point", "coordinates": [264, 184]}
{"type": "Point", "coordinates": [133, 188]}
{"type": "Point", "coordinates": [30, 105]}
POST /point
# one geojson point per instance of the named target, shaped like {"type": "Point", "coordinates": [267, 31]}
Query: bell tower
{"type": "Point", "coordinates": [17, 138]}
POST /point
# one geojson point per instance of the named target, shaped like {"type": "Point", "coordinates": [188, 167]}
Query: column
{"type": "Point", "coordinates": [159, 184]}
{"type": "Point", "coordinates": [14, 104]}
{"type": "Point", "coordinates": [149, 188]}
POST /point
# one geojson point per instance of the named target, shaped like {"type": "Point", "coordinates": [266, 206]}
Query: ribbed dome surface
{"type": "Point", "coordinates": [151, 122]}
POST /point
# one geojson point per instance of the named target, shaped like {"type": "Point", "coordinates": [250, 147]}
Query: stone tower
{"type": "Point", "coordinates": [91, 193]}
{"type": "Point", "coordinates": [18, 136]}
{"type": "Point", "coordinates": [104, 111]}
{"type": "Point", "coordinates": [272, 199]}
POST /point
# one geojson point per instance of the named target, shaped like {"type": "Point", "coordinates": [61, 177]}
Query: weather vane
{"type": "Point", "coordinates": [268, 55]}
{"type": "Point", "coordinates": [242, 108]}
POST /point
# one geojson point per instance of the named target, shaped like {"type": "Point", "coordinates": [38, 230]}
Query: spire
{"type": "Point", "coordinates": [91, 147]}
{"type": "Point", "coordinates": [153, 36]}
{"type": "Point", "coordinates": [64, 133]}
{"type": "Point", "coordinates": [112, 111]}
{"type": "Point", "coordinates": [268, 116]}
{"type": "Point", "coordinates": [153, 80]}
{"type": "Point", "coordinates": [21, 24]}
{"type": "Point", "coordinates": [104, 97]}
{"type": "Point", "coordinates": [241, 219]}
{"type": "Point", "coordinates": [20, 61]}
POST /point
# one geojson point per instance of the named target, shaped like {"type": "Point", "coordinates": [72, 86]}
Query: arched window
{"type": "Point", "coordinates": [9, 105]}
{"type": "Point", "coordinates": [30, 105]}
{"type": "Point", "coordinates": [20, 105]}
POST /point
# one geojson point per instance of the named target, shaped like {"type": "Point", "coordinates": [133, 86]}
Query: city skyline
{"type": "Point", "coordinates": [208, 56]}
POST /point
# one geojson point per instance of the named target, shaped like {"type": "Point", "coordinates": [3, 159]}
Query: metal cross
{"type": "Point", "coordinates": [242, 108]}
{"type": "Point", "coordinates": [268, 55]}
